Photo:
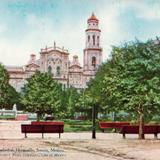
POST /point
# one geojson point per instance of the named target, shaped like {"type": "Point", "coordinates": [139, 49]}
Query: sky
{"type": "Point", "coordinates": [26, 26]}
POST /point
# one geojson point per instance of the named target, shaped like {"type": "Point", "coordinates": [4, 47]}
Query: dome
{"type": "Point", "coordinates": [93, 17]}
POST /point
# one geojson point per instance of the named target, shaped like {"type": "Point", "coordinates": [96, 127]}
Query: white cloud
{"type": "Point", "coordinates": [112, 31]}
{"type": "Point", "coordinates": [149, 10]}
{"type": "Point", "coordinates": [43, 31]}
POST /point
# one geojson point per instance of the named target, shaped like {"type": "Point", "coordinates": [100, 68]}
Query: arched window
{"type": "Point", "coordinates": [97, 40]}
{"type": "Point", "coordinates": [93, 39]}
{"type": "Point", "coordinates": [88, 38]}
{"type": "Point", "coordinates": [49, 69]}
{"type": "Point", "coordinates": [94, 62]}
{"type": "Point", "coordinates": [58, 71]}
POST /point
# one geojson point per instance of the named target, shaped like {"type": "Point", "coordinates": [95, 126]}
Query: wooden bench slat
{"type": "Point", "coordinates": [47, 123]}
{"type": "Point", "coordinates": [42, 128]}
{"type": "Point", "coordinates": [134, 129]}
{"type": "Point", "coordinates": [114, 125]}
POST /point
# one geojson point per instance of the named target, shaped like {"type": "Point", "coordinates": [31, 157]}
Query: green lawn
{"type": "Point", "coordinates": [78, 126]}
{"type": "Point", "coordinates": [81, 126]}
{"type": "Point", "coordinates": [7, 117]}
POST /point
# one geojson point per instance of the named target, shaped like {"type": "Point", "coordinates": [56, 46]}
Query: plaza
{"type": "Point", "coordinates": [71, 146]}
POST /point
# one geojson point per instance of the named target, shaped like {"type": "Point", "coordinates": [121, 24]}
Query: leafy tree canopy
{"type": "Point", "coordinates": [41, 94]}
{"type": "Point", "coordinates": [70, 97]}
{"type": "Point", "coordinates": [8, 95]}
{"type": "Point", "coordinates": [130, 79]}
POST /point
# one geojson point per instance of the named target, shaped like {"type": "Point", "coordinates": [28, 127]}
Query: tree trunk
{"type": "Point", "coordinates": [141, 125]}
{"type": "Point", "coordinates": [38, 116]}
{"type": "Point", "coordinates": [114, 116]}
{"type": "Point", "coordinates": [94, 122]}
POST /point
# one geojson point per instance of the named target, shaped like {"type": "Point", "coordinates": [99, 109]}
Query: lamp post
{"type": "Point", "coordinates": [94, 122]}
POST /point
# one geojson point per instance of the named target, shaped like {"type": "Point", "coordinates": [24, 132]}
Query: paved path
{"type": "Point", "coordinates": [73, 146]}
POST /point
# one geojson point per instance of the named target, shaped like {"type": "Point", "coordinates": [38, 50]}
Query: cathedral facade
{"type": "Point", "coordinates": [56, 61]}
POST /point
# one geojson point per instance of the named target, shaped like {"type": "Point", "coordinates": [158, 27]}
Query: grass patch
{"type": "Point", "coordinates": [78, 126]}
{"type": "Point", "coordinates": [7, 117]}
{"type": "Point", "coordinates": [77, 122]}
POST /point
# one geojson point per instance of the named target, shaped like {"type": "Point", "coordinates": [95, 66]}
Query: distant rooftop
{"type": "Point", "coordinates": [14, 68]}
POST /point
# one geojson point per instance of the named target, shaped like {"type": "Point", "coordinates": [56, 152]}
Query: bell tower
{"type": "Point", "coordinates": [93, 52]}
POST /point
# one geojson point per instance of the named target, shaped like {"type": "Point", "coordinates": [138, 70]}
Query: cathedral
{"type": "Point", "coordinates": [56, 61]}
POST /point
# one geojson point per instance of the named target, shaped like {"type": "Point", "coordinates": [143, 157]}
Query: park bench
{"type": "Point", "coordinates": [134, 129]}
{"type": "Point", "coordinates": [112, 125]}
{"type": "Point", "coordinates": [43, 127]}
{"type": "Point", "coordinates": [46, 123]}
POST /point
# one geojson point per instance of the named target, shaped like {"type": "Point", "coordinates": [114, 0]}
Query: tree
{"type": "Point", "coordinates": [92, 96]}
{"type": "Point", "coordinates": [8, 95]}
{"type": "Point", "coordinates": [84, 103]}
{"type": "Point", "coordinates": [70, 100]}
{"type": "Point", "coordinates": [4, 80]}
{"type": "Point", "coordinates": [13, 97]}
{"type": "Point", "coordinates": [131, 81]}
{"type": "Point", "coordinates": [41, 94]}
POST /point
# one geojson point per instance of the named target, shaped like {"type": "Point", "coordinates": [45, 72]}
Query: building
{"type": "Point", "coordinates": [56, 61]}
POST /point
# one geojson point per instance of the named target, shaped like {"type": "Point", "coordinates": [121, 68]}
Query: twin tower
{"type": "Point", "coordinates": [93, 52]}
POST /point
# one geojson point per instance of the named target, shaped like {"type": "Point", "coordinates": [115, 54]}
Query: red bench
{"type": "Point", "coordinates": [43, 127]}
{"type": "Point", "coordinates": [134, 129]}
{"type": "Point", "coordinates": [47, 123]}
{"type": "Point", "coordinates": [113, 125]}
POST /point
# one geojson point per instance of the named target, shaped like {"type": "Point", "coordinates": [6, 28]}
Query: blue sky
{"type": "Point", "coordinates": [29, 25]}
